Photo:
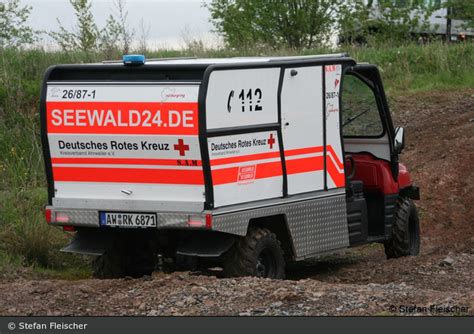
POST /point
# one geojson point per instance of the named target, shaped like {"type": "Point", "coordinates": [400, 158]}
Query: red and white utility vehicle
{"type": "Point", "coordinates": [247, 163]}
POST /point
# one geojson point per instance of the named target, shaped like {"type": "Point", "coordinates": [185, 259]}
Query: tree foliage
{"type": "Point", "coordinates": [386, 21]}
{"type": "Point", "coordinates": [300, 24]}
{"type": "Point", "coordinates": [295, 23]}
{"type": "Point", "coordinates": [86, 35]}
{"type": "Point", "coordinates": [124, 31]}
{"type": "Point", "coordinates": [14, 31]}
{"type": "Point", "coordinates": [109, 36]}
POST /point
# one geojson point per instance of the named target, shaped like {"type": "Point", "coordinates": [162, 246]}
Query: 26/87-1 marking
{"type": "Point", "coordinates": [78, 93]}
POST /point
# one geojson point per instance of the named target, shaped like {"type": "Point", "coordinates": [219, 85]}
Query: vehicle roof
{"type": "Point", "coordinates": [179, 69]}
{"type": "Point", "coordinates": [231, 60]}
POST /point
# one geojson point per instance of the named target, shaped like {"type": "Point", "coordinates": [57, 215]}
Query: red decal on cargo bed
{"type": "Point", "coordinates": [123, 118]}
{"type": "Point", "coordinates": [246, 174]}
{"type": "Point", "coordinates": [230, 175]}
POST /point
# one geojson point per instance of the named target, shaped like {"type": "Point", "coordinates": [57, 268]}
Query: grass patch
{"type": "Point", "coordinates": [26, 240]}
{"type": "Point", "coordinates": [14, 267]}
{"type": "Point", "coordinates": [422, 67]}
{"type": "Point", "coordinates": [66, 273]}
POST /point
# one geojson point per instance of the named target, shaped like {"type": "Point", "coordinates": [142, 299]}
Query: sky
{"type": "Point", "coordinates": [170, 21]}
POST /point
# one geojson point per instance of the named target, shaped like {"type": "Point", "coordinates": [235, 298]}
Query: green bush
{"type": "Point", "coordinates": [25, 235]}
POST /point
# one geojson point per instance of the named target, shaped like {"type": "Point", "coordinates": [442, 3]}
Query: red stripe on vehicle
{"type": "Point", "coordinates": [126, 161]}
{"type": "Point", "coordinates": [338, 178]}
{"type": "Point", "coordinates": [177, 118]}
{"type": "Point", "coordinates": [245, 158]}
{"type": "Point", "coordinates": [128, 175]}
{"type": "Point", "coordinates": [175, 176]}
{"type": "Point", "coordinates": [267, 155]}
{"type": "Point", "coordinates": [304, 150]}
{"type": "Point", "coordinates": [304, 165]}
{"type": "Point", "coordinates": [330, 150]}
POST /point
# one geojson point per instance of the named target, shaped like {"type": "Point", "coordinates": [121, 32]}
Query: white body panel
{"type": "Point", "coordinates": [142, 146]}
{"type": "Point", "coordinates": [302, 128]}
{"type": "Point", "coordinates": [245, 167]}
{"type": "Point", "coordinates": [123, 93]}
{"type": "Point", "coordinates": [334, 155]}
{"type": "Point", "coordinates": [242, 98]}
{"type": "Point", "coordinates": [125, 142]}
{"type": "Point", "coordinates": [113, 191]}
{"type": "Point", "coordinates": [379, 147]}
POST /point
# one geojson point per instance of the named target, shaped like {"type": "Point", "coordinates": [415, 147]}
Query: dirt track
{"type": "Point", "coordinates": [440, 155]}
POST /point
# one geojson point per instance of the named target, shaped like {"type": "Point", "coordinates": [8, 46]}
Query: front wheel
{"type": "Point", "coordinates": [406, 231]}
{"type": "Point", "coordinates": [257, 254]}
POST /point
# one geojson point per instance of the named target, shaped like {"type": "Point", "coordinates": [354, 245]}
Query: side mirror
{"type": "Point", "coordinates": [399, 139]}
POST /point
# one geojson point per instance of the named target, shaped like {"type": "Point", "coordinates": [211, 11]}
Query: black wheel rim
{"type": "Point", "coordinates": [266, 265]}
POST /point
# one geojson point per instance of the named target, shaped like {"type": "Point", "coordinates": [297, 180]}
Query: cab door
{"type": "Point", "coordinates": [366, 122]}
{"type": "Point", "coordinates": [368, 132]}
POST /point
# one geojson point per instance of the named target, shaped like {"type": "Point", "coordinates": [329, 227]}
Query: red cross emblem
{"type": "Point", "coordinates": [181, 147]}
{"type": "Point", "coordinates": [271, 141]}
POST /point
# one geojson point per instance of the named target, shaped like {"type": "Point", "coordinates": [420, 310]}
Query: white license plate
{"type": "Point", "coordinates": [124, 219]}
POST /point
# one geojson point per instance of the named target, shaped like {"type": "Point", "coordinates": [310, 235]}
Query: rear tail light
{"type": "Point", "coordinates": [200, 221]}
{"type": "Point", "coordinates": [61, 218]}
{"type": "Point", "coordinates": [196, 221]}
{"type": "Point", "coordinates": [56, 217]}
{"type": "Point", "coordinates": [69, 228]}
{"type": "Point", "coordinates": [48, 215]}
{"type": "Point", "coordinates": [209, 220]}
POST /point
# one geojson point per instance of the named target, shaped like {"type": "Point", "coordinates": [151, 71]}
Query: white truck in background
{"type": "Point", "coordinates": [443, 21]}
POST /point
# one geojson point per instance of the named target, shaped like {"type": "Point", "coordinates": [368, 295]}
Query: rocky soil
{"type": "Point", "coordinates": [440, 155]}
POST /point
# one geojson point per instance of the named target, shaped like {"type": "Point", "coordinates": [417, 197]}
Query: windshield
{"type": "Point", "coordinates": [360, 112]}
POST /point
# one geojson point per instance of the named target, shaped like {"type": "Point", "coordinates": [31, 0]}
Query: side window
{"type": "Point", "coordinates": [360, 114]}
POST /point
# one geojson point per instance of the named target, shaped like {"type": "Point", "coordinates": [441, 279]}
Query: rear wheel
{"type": "Point", "coordinates": [406, 231]}
{"type": "Point", "coordinates": [258, 254]}
{"type": "Point", "coordinates": [119, 261]}
{"type": "Point", "coordinates": [108, 265]}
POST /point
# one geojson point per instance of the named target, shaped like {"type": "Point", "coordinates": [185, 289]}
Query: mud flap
{"type": "Point", "coordinates": [89, 243]}
{"type": "Point", "coordinates": [206, 245]}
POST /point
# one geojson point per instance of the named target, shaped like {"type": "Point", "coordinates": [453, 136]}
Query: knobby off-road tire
{"type": "Point", "coordinates": [257, 254]}
{"type": "Point", "coordinates": [120, 261]}
{"type": "Point", "coordinates": [108, 265]}
{"type": "Point", "coordinates": [406, 231]}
